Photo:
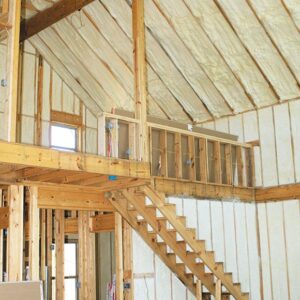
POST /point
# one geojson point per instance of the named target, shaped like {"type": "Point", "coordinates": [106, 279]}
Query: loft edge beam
{"type": "Point", "coordinates": [49, 16]}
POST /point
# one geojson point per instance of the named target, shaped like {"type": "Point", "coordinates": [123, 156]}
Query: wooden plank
{"type": "Point", "coordinates": [278, 193]}
{"type": "Point", "coordinates": [49, 158]}
{"type": "Point", "coordinates": [1, 239]}
{"type": "Point", "coordinates": [203, 159]}
{"type": "Point", "coordinates": [49, 252]}
{"type": "Point", "coordinates": [217, 163]}
{"type": "Point", "coordinates": [201, 190]}
{"type": "Point", "coordinates": [38, 129]}
{"type": "Point", "coordinates": [228, 163]}
{"type": "Point", "coordinates": [102, 223]}
{"type": "Point", "coordinates": [240, 165]}
{"type": "Point", "coordinates": [72, 199]}
{"type": "Point", "coordinates": [50, 16]}
{"type": "Point", "coordinates": [43, 225]}
{"type": "Point", "coordinates": [59, 254]}
{"type": "Point", "coordinates": [34, 235]}
{"type": "Point", "coordinates": [163, 153]}
{"type": "Point", "coordinates": [10, 109]}
{"type": "Point", "coordinates": [71, 225]}
{"type": "Point", "coordinates": [128, 260]}
{"type": "Point", "coordinates": [218, 295]}
{"type": "Point", "coordinates": [191, 150]}
{"type": "Point", "coordinates": [178, 156]}
{"type": "Point", "coordinates": [4, 217]}
{"type": "Point", "coordinates": [199, 290]}
{"type": "Point", "coordinates": [66, 118]}
{"type": "Point", "coordinates": [140, 80]}
{"type": "Point", "coordinates": [119, 257]}
{"type": "Point", "coordinates": [15, 233]}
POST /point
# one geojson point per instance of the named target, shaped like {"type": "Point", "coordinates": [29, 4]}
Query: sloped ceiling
{"type": "Point", "coordinates": [205, 59]}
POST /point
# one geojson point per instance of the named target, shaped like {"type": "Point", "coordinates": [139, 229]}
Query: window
{"type": "Point", "coordinates": [63, 137]}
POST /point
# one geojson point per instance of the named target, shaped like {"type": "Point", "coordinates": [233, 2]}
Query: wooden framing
{"type": "Point", "coordinates": [199, 290]}
{"type": "Point", "coordinates": [15, 233]}
{"type": "Point", "coordinates": [49, 242]}
{"type": "Point", "coordinates": [1, 235]}
{"type": "Point", "coordinates": [10, 109]}
{"type": "Point", "coordinates": [4, 217]}
{"type": "Point", "coordinates": [128, 260]}
{"type": "Point", "coordinates": [34, 235]}
{"type": "Point", "coordinates": [119, 257]}
{"type": "Point", "coordinates": [138, 30]}
{"type": "Point", "coordinates": [38, 135]}
{"type": "Point", "coordinates": [59, 254]}
{"type": "Point", "coordinates": [48, 17]}
{"type": "Point", "coordinates": [66, 118]}
{"type": "Point", "coordinates": [102, 223]}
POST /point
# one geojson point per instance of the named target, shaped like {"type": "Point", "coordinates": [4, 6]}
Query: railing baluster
{"type": "Point", "coordinates": [203, 159]}
{"type": "Point", "coordinates": [228, 163]}
{"type": "Point", "coordinates": [217, 162]}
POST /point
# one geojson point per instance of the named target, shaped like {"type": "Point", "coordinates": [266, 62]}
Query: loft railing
{"type": "Point", "coordinates": [193, 156]}
{"type": "Point", "coordinates": [178, 153]}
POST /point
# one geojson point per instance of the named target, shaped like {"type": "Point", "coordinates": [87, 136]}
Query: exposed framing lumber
{"type": "Point", "coordinates": [66, 118]}
{"type": "Point", "coordinates": [278, 193]}
{"type": "Point", "coordinates": [49, 242]}
{"type": "Point", "coordinates": [138, 30]}
{"type": "Point", "coordinates": [59, 254]}
{"type": "Point", "coordinates": [38, 135]}
{"type": "Point", "coordinates": [4, 217]}
{"type": "Point", "coordinates": [33, 156]}
{"type": "Point", "coordinates": [199, 290]}
{"type": "Point", "coordinates": [128, 260]}
{"type": "Point", "coordinates": [48, 17]}
{"type": "Point", "coordinates": [34, 235]}
{"type": "Point", "coordinates": [15, 233]}
{"type": "Point", "coordinates": [102, 223]}
{"type": "Point", "coordinates": [202, 190]}
{"type": "Point", "coordinates": [1, 236]}
{"type": "Point", "coordinates": [10, 109]}
{"type": "Point", "coordinates": [119, 257]}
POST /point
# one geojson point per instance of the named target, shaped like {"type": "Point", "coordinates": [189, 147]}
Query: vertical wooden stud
{"type": "Point", "coordinates": [140, 80]}
{"type": "Point", "coordinates": [34, 234]}
{"type": "Point", "coordinates": [43, 243]}
{"type": "Point", "coordinates": [178, 156]}
{"type": "Point", "coordinates": [203, 159]}
{"type": "Point", "coordinates": [119, 257]}
{"type": "Point", "coordinates": [228, 163]}
{"type": "Point", "coordinates": [218, 295]}
{"type": "Point", "coordinates": [199, 290]}
{"type": "Point", "coordinates": [1, 241]}
{"type": "Point", "coordinates": [38, 135]}
{"type": "Point", "coordinates": [217, 162]}
{"type": "Point", "coordinates": [10, 109]}
{"type": "Point", "coordinates": [240, 165]}
{"type": "Point", "coordinates": [163, 154]}
{"type": "Point", "coordinates": [59, 254]}
{"type": "Point", "coordinates": [101, 135]}
{"type": "Point", "coordinates": [115, 138]}
{"type": "Point", "coordinates": [15, 233]}
{"type": "Point", "coordinates": [49, 251]}
{"type": "Point", "coordinates": [191, 149]}
{"type": "Point", "coordinates": [132, 141]}
{"type": "Point", "coordinates": [127, 252]}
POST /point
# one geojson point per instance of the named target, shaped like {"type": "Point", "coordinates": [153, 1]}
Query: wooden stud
{"type": "Point", "coordinates": [66, 118]}
{"type": "Point", "coordinates": [217, 163]}
{"type": "Point", "coordinates": [203, 159]}
{"type": "Point", "coordinates": [138, 30]}
{"type": "Point", "coordinates": [49, 242]}
{"type": "Point", "coordinates": [199, 290]}
{"type": "Point", "coordinates": [15, 233]}
{"type": "Point", "coordinates": [43, 225]}
{"type": "Point", "coordinates": [59, 254]}
{"type": "Point", "coordinates": [119, 257]}
{"type": "Point", "coordinates": [240, 165]}
{"type": "Point", "coordinates": [34, 235]}
{"type": "Point", "coordinates": [38, 135]}
{"type": "Point", "coordinates": [228, 164]}
{"type": "Point", "coordinates": [191, 149]}
{"type": "Point", "coordinates": [218, 294]}
{"type": "Point", "coordinates": [1, 239]}
{"type": "Point", "coordinates": [128, 259]}
{"type": "Point", "coordinates": [163, 154]}
{"type": "Point", "coordinates": [178, 156]}
{"type": "Point", "coordinates": [132, 140]}
{"type": "Point", "coordinates": [102, 223]}
{"type": "Point", "coordinates": [10, 109]}
{"type": "Point", "coordinates": [4, 217]}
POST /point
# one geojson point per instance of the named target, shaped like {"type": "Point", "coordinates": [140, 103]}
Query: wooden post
{"type": "Point", "coordinates": [132, 140]}
{"type": "Point", "coordinates": [34, 234]}
{"type": "Point", "coordinates": [127, 252]}
{"type": "Point", "coordinates": [178, 156]}
{"type": "Point", "coordinates": [87, 262]}
{"type": "Point", "coordinates": [43, 243]}
{"type": "Point", "coordinates": [59, 254]}
{"type": "Point", "coordinates": [217, 162]}
{"type": "Point", "coordinates": [240, 165]}
{"type": "Point", "coordinates": [1, 242]}
{"type": "Point", "coordinates": [49, 251]}
{"type": "Point", "coordinates": [163, 154]}
{"type": "Point", "coordinates": [218, 295]}
{"type": "Point", "coordinates": [138, 29]}
{"type": "Point", "coordinates": [191, 149]}
{"type": "Point", "coordinates": [15, 233]}
{"type": "Point", "coordinates": [119, 257]}
{"type": "Point", "coordinates": [203, 159]}
{"type": "Point", "coordinates": [38, 136]}
{"type": "Point", "coordinates": [10, 109]}
{"type": "Point", "coordinates": [228, 163]}
{"type": "Point", "coordinates": [199, 290]}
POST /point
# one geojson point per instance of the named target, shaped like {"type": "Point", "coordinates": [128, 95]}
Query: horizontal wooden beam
{"type": "Point", "coordinates": [71, 225]}
{"type": "Point", "coordinates": [49, 16]}
{"type": "Point", "coordinates": [102, 223]}
{"type": "Point", "coordinates": [277, 193]}
{"type": "Point", "coordinates": [66, 118]}
{"type": "Point", "coordinates": [4, 217]}
{"type": "Point", "coordinates": [72, 199]}
{"type": "Point", "coordinates": [202, 190]}
{"type": "Point", "coordinates": [33, 156]}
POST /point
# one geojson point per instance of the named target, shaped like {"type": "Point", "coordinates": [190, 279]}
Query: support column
{"type": "Point", "coordinates": [10, 113]}
{"type": "Point", "coordinates": [140, 79]}
{"type": "Point", "coordinates": [59, 254]}
{"type": "Point", "coordinates": [1, 243]}
{"type": "Point", "coordinates": [49, 252]}
{"type": "Point", "coordinates": [15, 233]}
{"type": "Point", "coordinates": [87, 261]}
{"type": "Point", "coordinates": [119, 257]}
{"type": "Point", "coordinates": [199, 290]}
{"type": "Point", "coordinates": [34, 234]}
{"type": "Point", "coordinates": [127, 257]}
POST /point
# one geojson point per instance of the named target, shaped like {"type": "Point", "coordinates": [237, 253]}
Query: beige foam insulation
{"type": "Point", "coordinates": [231, 48]}
{"type": "Point", "coordinates": [93, 64]}
{"type": "Point", "coordinates": [163, 66]}
{"type": "Point", "coordinates": [293, 7]}
{"type": "Point", "coordinates": [255, 38]}
{"type": "Point", "coordinates": [205, 53]}
{"type": "Point", "coordinates": [68, 77]}
{"type": "Point", "coordinates": [63, 53]}
{"type": "Point", "coordinates": [282, 30]}
{"type": "Point", "coordinates": [184, 61]}
{"type": "Point", "coordinates": [122, 44]}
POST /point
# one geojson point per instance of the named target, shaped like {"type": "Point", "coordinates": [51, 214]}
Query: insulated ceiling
{"type": "Point", "coordinates": [205, 58]}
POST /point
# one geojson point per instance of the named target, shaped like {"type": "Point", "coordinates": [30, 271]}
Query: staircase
{"type": "Point", "coordinates": [166, 233]}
